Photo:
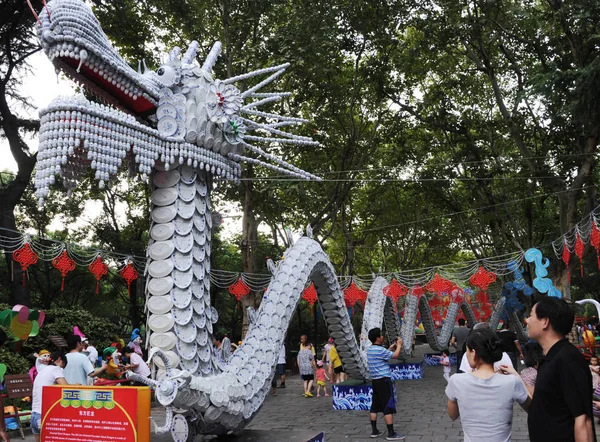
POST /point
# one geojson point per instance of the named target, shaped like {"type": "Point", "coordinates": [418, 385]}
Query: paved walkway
{"type": "Point", "coordinates": [289, 417]}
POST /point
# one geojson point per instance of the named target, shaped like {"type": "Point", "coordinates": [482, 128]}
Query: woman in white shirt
{"type": "Point", "coordinates": [52, 374]}
{"type": "Point", "coordinates": [484, 398]}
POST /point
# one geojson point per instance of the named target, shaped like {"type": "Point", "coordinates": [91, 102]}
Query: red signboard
{"type": "Point", "coordinates": [95, 414]}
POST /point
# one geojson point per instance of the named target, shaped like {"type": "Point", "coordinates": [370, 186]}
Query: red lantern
{"type": "Point", "coordinates": [25, 256]}
{"type": "Point", "coordinates": [566, 257]}
{"type": "Point", "coordinates": [395, 291]}
{"type": "Point", "coordinates": [310, 295]}
{"type": "Point", "coordinates": [64, 264]}
{"type": "Point", "coordinates": [98, 269]}
{"type": "Point", "coordinates": [129, 274]}
{"type": "Point", "coordinates": [239, 289]}
{"type": "Point", "coordinates": [595, 239]}
{"type": "Point", "coordinates": [579, 249]}
{"type": "Point", "coordinates": [352, 294]}
{"type": "Point", "coordinates": [482, 279]}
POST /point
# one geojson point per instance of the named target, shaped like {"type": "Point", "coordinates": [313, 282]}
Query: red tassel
{"type": "Point", "coordinates": [97, 287]}
{"type": "Point", "coordinates": [62, 285]}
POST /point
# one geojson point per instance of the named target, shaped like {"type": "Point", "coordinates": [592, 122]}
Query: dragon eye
{"type": "Point", "coordinates": [161, 71]}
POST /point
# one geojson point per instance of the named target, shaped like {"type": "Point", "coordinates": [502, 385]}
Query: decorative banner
{"type": "Point", "coordinates": [239, 289]}
{"type": "Point", "coordinates": [25, 256]}
{"type": "Point", "coordinates": [64, 264]}
{"type": "Point", "coordinates": [98, 269]}
{"type": "Point", "coordinates": [22, 322]}
{"type": "Point", "coordinates": [579, 248]}
{"type": "Point", "coordinates": [482, 279]}
{"type": "Point", "coordinates": [95, 414]}
{"type": "Point", "coordinates": [129, 274]}
{"type": "Point", "coordinates": [417, 291]}
{"type": "Point", "coordinates": [310, 295]}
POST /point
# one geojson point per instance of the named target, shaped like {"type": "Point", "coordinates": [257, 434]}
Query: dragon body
{"type": "Point", "coordinates": [182, 129]}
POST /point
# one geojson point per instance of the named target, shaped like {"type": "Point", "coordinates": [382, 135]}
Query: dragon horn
{"type": "Point", "coordinates": [190, 54]}
{"type": "Point", "coordinates": [212, 57]}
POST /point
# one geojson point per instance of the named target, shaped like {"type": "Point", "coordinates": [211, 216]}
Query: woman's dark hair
{"type": "Point", "coordinates": [532, 352]}
{"type": "Point", "coordinates": [58, 354]}
{"type": "Point", "coordinates": [486, 344]}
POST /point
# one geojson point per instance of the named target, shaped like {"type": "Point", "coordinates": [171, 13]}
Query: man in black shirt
{"type": "Point", "coordinates": [510, 344]}
{"type": "Point", "coordinates": [561, 409]}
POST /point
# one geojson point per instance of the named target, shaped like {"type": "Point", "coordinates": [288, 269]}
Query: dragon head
{"type": "Point", "coordinates": [175, 115]}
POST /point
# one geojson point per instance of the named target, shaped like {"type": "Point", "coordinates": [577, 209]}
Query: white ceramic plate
{"type": "Point", "coordinates": [209, 220]}
{"type": "Point", "coordinates": [204, 353]}
{"type": "Point", "coordinates": [186, 192]}
{"type": "Point", "coordinates": [161, 250]}
{"type": "Point", "coordinates": [200, 205]}
{"type": "Point", "coordinates": [162, 232]}
{"type": "Point", "coordinates": [172, 357]}
{"type": "Point", "coordinates": [201, 337]}
{"type": "Point", "coordinates": [166, 110]}
{"type": "Point", "coordinates": [182, 316]}
{"type": "Point", "coordinates": [160, 286]}
{"type": "Point", "coordinates": [164, 214]}
{"type": "Point", "coordinates": [191, 365]}
{"type": "Point", "coordinates": [167, 126]}
{"type": "Point", "coordinates": [159, 305]}
{"type": "Point", "coordinates": [209, 326]}
{"type": "Point", "coordinates": [161, 323]}
{"type": "Point", "coordinates": [182, 261]}
{"type": "Point", "coordinates": [198, 270]}
{"type": "Point", "coordinates": [160, 268]}
{"type": "Point", "coordinates": [182, 226]}
{"type": "Point", "coordinates": [199, 253]}
{"type": "Point", "coordinates": [202, 188]}
{"type": "Point", "coordinates": [199, 236]}
{"type": "Point", "coordinates": [164, 341]}
{"type": "Point", "coordinates": [199, 320]}
{"type": "Point", "coordinates": [185, 210]}
{"type": "Point", "coordinates": [214, 315]}
{"type": "Point", "coordinates": [186, 333]}
{"type": "Point", "coordinates": [183, 243]}
{"type": "Point", "coordinates": [182, 279]}
{"type": "Point", "coordinates": [188, 174]}
{"type": "Point", "coordinates": [166, 179]}
{"type": "Point", "coordinates": [199, 222]}
{"type": "Point", "coordinates": [164, 196]}
{"type": "Point", "coordinates": [187, 351]}
{"type": "Point", "coordinates": [181, 297]}
{"type": "Point", "coordinates": [198, 307]}
{"type": "Point", "coordinates": [197, 289]}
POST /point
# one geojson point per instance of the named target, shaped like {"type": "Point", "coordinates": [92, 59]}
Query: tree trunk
{"type": "Point", "coordinates": [248, 245]}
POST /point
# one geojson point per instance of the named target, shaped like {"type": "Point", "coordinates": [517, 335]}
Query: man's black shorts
{"type": "Point", "coordinates": [384, 396]}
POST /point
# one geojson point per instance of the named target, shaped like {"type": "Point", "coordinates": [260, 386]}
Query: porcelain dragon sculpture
{"type": "Point", "coordinates": [182, 129]}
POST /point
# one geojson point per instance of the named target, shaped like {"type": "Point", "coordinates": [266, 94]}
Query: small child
{"type": "Point", "coordinates": [445, 362]}
{"type": "Point", "coordinates": [321, 376]}
{"type": "Point", "coordinates": [595, 369]}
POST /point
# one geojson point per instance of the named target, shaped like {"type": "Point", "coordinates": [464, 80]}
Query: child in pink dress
{"type": "Point", "coordinates": [321, 376]}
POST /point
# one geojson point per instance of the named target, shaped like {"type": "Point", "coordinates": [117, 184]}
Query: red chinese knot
{"type": "Point", "coordinates": [98, 269]}
{"type": "Point", "coordinates": [64, 264]}
{"type": "Point", "coordinates": [26, 257]}
{"type": "Point", "coordinates": [239, 289]}
{"type": "Point", "coordinates": [353, 293]}
{"type": "Point", "coordinates": [439, 285]}
{"type": "Point", "coordinates": [482, 279]}
{"type": "Point", "coordinates": [595, 239]}
{"type": "Point", "coordinates": [395, 291]}
{"type": "Point", "coordinates": [310, 296]}
{"type": "Point", "coordinates": [129, 274]}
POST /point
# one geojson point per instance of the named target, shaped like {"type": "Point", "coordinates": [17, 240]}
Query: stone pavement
{"type": "Point", "coordinates": [289, 417]}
